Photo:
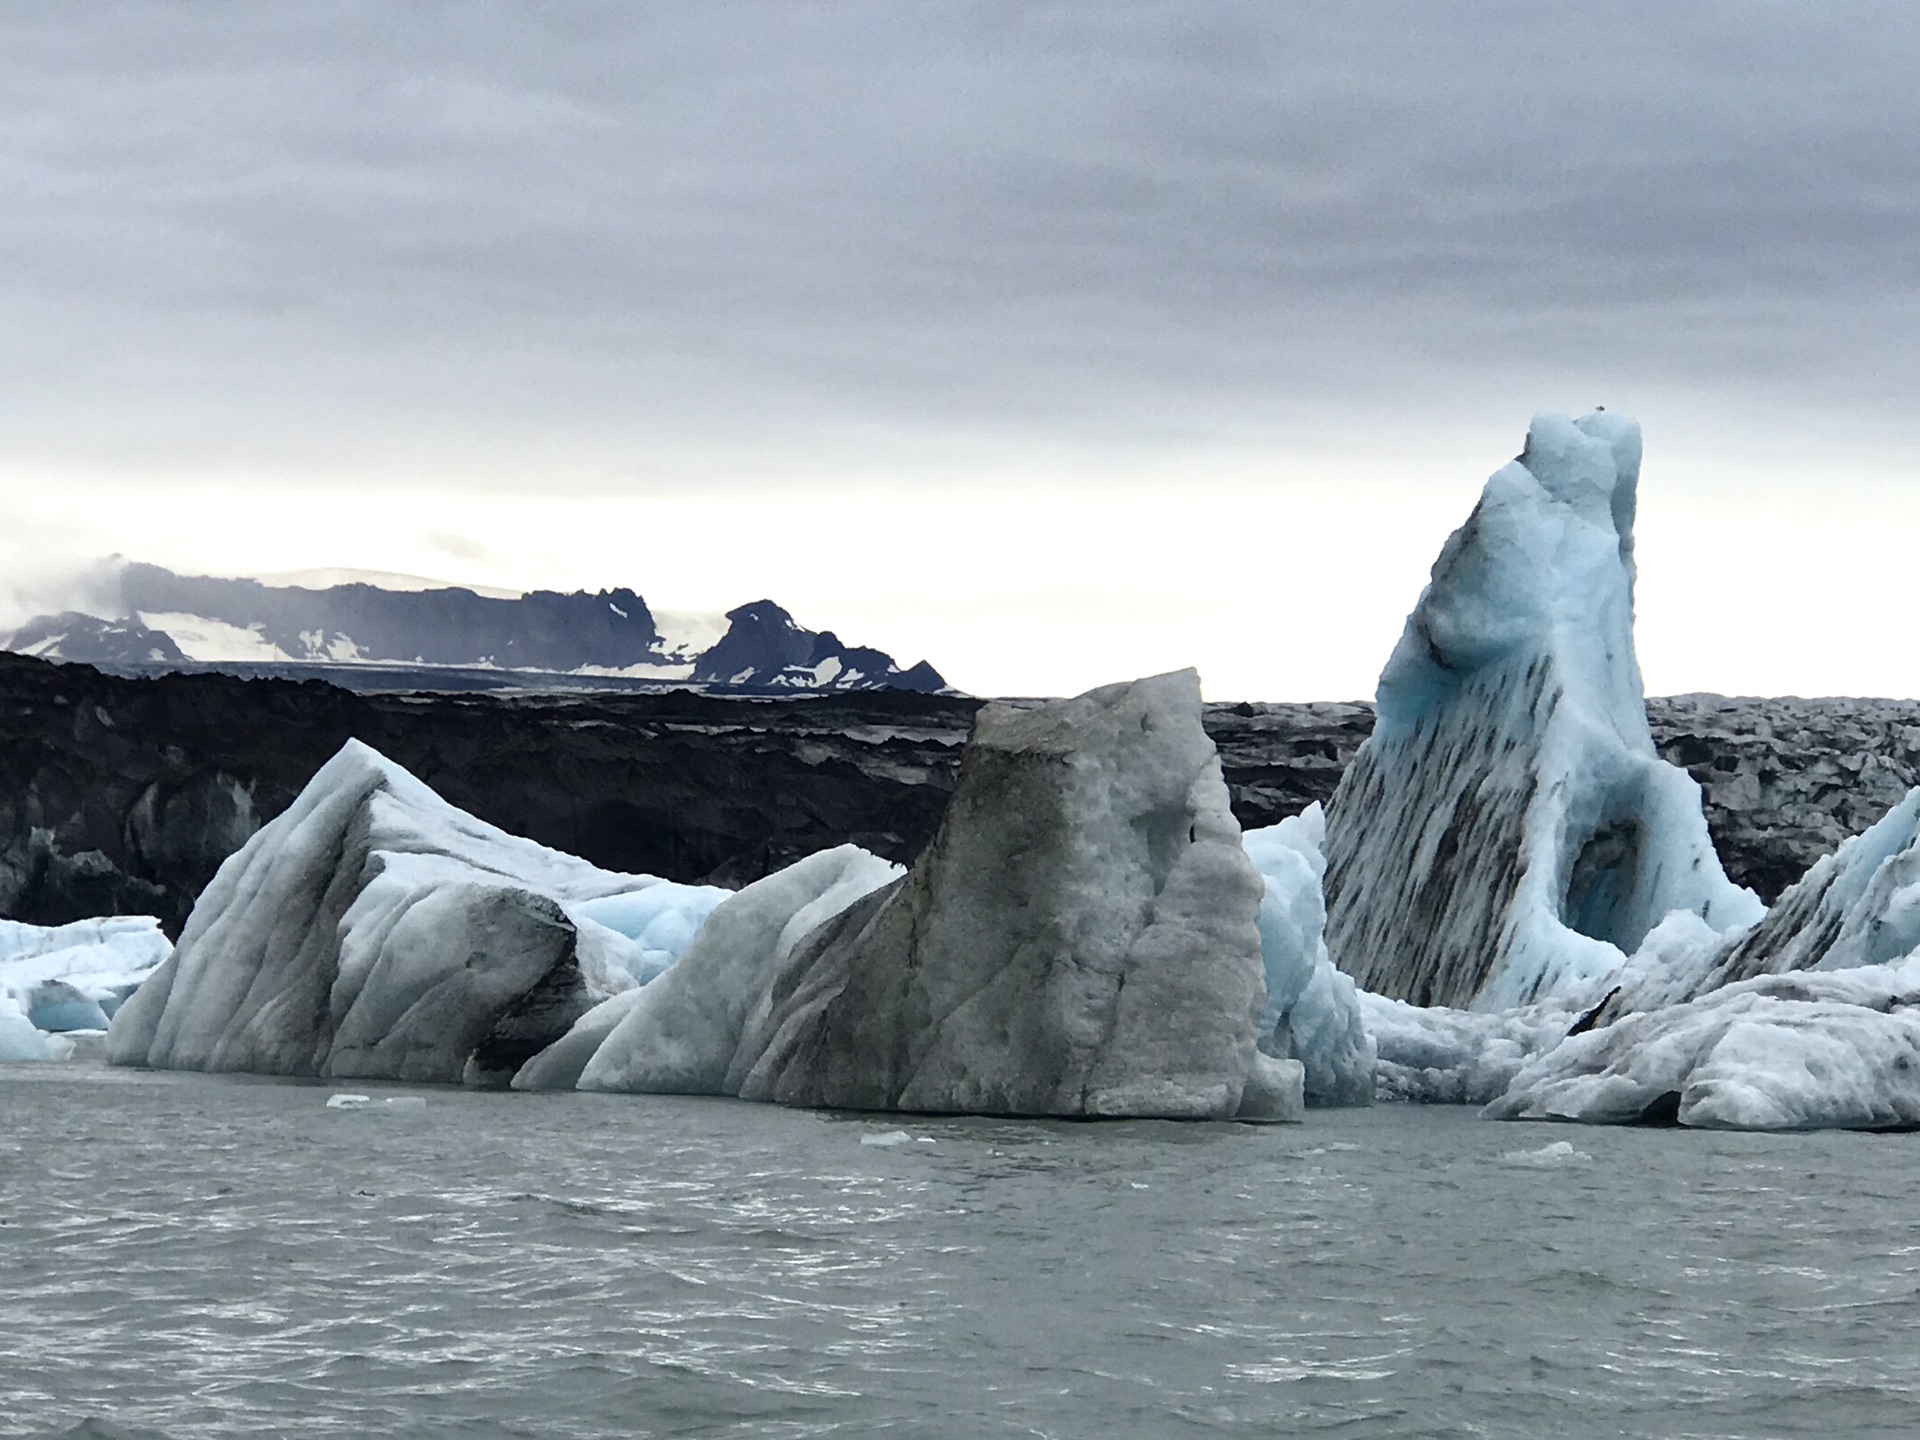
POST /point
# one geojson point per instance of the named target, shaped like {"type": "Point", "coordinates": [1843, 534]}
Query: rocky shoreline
{"type": "Point", "coordinates": [124, 795]}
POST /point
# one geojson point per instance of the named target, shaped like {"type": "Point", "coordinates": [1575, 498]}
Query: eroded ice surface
{"type": "Point", "coordinates": [1433, 1055]}
{"type": "Point", "coordinates": [1313, 1011]}
{"type": "Point", "coordinates": [679, 1035]}
{"type": "Point", "coordinates": [1815, 1050]}
{"type": "Point", "coordinates": [1508, 833]}
{"type": "Point", "coordinates": [372, 929]}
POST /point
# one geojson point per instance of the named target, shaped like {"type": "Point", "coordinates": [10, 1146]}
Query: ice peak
{"type": "Point", "coordinates": [1508, 832]}
{"type": "Point", "coordinates": [1544, 562]}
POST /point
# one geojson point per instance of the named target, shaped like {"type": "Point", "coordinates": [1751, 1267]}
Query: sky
{"type": "Point", "coordinates": [1055, 344]}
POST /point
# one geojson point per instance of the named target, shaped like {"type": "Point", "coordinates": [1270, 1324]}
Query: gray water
{"type": "Point", "coordinates": [207, 1256]}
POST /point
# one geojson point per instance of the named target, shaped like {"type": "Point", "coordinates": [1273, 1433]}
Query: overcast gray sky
{"type": "Point", "coordinates": [1054, 343]}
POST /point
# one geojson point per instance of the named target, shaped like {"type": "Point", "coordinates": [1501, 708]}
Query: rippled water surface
{"type": "Point", "coordinates": [196, 1255]}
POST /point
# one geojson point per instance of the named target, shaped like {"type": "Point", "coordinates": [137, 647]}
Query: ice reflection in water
{"type": "Point", "coordinates": [205, 1256]}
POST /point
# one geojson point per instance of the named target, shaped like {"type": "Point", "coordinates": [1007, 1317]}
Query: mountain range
{"type": "Point", "coordinates": [369, 635]}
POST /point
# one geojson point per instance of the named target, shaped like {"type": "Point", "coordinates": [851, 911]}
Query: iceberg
{"type": "Point", "coordinates": [20, 1039]}
{"type": "Point", "coordinates": [1508, 834]}
{"type": "Point", "coordinates": [1313, 1011]}
{"type": "Point", "coordinates": [1857, 906]}
{"type": "Point", "coordinates": [1838, 1049]}
{"type": "Point", "coordinates": [1806, 1020]}
{"type": "Point", "coordinates": [1081, 938]}
{"type": "Point", "coordinates": [63, 978]}
{"type": "Point", "coordinates": [372, 930]}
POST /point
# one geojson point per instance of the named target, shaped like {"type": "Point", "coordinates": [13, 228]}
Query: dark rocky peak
{"type": "Point", "coordinates": [765, 650]}
{"type": "Point", "coordinates": [451, 626]}
{"type": "Point", "coordinates": [761, 639]}
{"type": "Point", "coordinates": [73, 636]}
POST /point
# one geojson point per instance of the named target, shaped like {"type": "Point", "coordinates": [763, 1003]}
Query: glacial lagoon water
{"type": "Point", "coordinates": [188, 1255]}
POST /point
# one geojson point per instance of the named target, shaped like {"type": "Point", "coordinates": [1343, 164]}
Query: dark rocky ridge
{"type": "Point", "coordinates": [123, 795]}
{"type": "Point", "coordinates": [440, 627]}
{"type": "Point", "coordinates": [103, 642]}
{"type": "Point", "coordinates": [765, 650]}
{"type": "Point", "coordinates": [367, 637]}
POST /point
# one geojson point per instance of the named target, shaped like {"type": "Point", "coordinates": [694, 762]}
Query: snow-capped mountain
{"type": "Point", "coordinates": [168, 621]}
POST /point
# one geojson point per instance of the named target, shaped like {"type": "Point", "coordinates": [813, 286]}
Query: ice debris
{"type": "Point", "coordinates": [1557, 1152]}
{"type": "Point", "coordinates": [887, 1139]}
{"type": "Point", "coordinates": [343, 1100]}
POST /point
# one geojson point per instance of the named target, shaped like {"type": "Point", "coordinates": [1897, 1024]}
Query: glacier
{"type": "Point", "coordinates": [374, 930]}
{"type": "Point", "coordinates": [1508, 834]}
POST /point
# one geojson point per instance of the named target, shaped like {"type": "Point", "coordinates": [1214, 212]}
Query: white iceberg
{"type": "Point", "coordinates": [1837, 1049]}
{"type": "Point", "coordinates": [66, 978]}
{"type": "Point", "coordinates": [374, 930]}
{"type": "Point", "coordinates": [1508, 834]}
{"type": "Point", "coordinates": [1313, 1011]}
{"type": "Point", "coordinates": [679, 1035]}
{"type": "Point", "coordinates": [20, 1040]}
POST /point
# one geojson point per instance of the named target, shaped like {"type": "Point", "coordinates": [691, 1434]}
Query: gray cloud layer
{"type": "Point", "coordinates": [332, 235]}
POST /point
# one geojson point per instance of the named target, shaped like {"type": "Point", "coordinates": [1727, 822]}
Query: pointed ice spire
{"type": "Point", "coordinates": [1508, 832]}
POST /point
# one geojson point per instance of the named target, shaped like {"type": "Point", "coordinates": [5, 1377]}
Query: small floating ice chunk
{"type": "Point", "coordinates": [888, 1137]}
{"type": "Point", "coordinates": [1560, 1152]}
{"type": "Point", "coordinates": [344, 1101]}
